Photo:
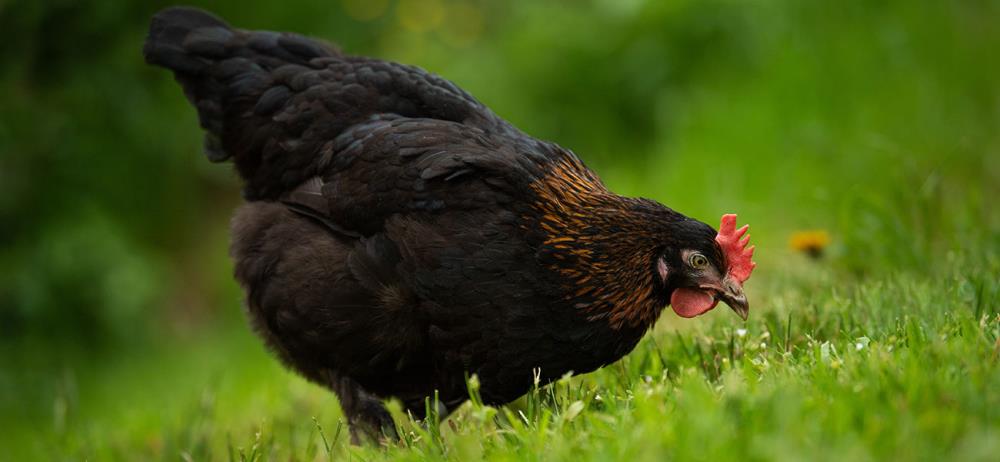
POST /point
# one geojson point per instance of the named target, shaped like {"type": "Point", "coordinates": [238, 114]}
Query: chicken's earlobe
{"type": "Point", "coordinates": [661, 269]}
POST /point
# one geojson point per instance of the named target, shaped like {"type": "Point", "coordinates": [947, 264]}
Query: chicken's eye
{"type": "Point", "coordinates": [697, 261]}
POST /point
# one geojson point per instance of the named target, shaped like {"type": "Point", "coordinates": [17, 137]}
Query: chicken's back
{"type": "Point", "coordinates": [272, 102]}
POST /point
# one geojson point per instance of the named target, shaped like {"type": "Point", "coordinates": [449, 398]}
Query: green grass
{"type": "Point", "coordinates": [900, 367]}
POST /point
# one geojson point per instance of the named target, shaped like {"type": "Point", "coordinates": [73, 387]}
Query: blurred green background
{"type": "Point", "coordinates": [875, 121]}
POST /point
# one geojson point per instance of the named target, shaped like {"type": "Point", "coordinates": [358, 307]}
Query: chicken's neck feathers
{"type": "Point", "coordinates": [600, 246]}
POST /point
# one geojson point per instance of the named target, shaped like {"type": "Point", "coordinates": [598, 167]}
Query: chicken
{"type": "Point", "coordinates": [399, 237]}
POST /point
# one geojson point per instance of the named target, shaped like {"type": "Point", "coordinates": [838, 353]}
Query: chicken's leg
{"type": "Point", "coordinates": [366, 415]}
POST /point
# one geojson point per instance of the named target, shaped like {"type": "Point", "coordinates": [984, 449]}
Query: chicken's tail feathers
{"type": "Point", "coordinates": [222, 68]}
{"type": "Point", "coordinates": [169, 43]}
{"type": "Point", "coordinates": [178, 39]}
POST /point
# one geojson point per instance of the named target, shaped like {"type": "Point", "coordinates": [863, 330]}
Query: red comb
{"type": "Point", "coordinates": [737, 253]}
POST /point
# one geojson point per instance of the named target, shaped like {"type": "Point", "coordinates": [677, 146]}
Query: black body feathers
{"type": "Point", "coordinates": [398, 235]}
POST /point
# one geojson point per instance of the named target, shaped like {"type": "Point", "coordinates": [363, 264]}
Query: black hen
{"type": "Point", "coordinates": [398, 236]}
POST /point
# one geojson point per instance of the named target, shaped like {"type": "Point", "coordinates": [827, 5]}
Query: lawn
{"type": "Point", "coordinates": [878, 125]}
{"type": "Point", "coordinates": [896, 367]}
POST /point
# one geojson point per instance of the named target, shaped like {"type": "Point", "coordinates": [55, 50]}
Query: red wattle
{"type": "Point", "coordinates": [689, 303]}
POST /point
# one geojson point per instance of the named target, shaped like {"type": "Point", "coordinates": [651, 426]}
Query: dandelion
{"type": "Point", "coordinates": [811, 242]}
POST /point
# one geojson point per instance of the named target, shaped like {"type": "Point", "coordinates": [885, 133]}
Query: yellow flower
{"type": "Point", "coordinates": [810, 242]}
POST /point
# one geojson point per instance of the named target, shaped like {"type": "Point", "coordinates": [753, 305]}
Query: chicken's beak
{"type": "Point", "coordinates": [731, 294]}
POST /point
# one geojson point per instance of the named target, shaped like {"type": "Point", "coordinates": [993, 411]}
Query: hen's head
{"type": "Point", "coordinates": [700, 267]}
